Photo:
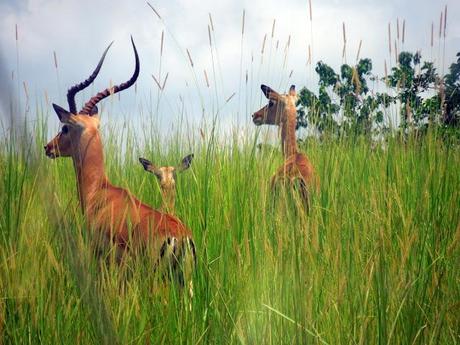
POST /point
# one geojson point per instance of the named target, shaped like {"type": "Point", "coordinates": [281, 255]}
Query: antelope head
{"type": "Point", "coordinates": [167, 178]}
{"type": "Point", "coordinates": [274, 113]}
{"type": "Point", "coordinates": [83, 124]}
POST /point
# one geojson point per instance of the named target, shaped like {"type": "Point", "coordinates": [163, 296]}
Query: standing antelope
{"type": "Point", "coordinates": [112, 212]}
{"type": "Point", "coordinates": [167, 178]}
{"type": "Point", "coordinates": [281, 111]}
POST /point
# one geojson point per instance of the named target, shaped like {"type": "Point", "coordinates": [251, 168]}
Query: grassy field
{"type": "Point", "coordinates": [377, 261]}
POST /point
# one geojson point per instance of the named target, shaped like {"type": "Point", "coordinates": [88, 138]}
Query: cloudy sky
{"type": "Point", "coordinates": [78, 31]}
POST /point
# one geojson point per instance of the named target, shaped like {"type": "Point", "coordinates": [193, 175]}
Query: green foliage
{"type": "Point", "coordinates": [357, 110]}
{"type": "Point", "coordinates": [346, 106]}
{"type": "Point", "coordinates": [410, 80]}
{"type": "Point", "coordinates": [452, 95]}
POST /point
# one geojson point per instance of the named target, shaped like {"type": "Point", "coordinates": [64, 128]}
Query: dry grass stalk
{"type": "Point", "coordinates": [403, 30]}
{"type": "Point", "coordinates": [288, 43]}
{"type": "Point", "coordinates": [164, 81]}
{"type": "Point", "coordinates": [210, 21]}
{"type": "Point", "coordinates": [273, 27]}
{"type": "Point", "coordinates": [206, 78]}
{"type": "Point", "coordinates": [55, 60]}
{"type": "Point", "coordinates": [355, 81]}
{"type": "Point", "coordinates": [359, 49]}
{"type": "Point", "coordinates": [309, 6]}
{"type": "Point", "coordinates": [242, 24]}
{"type": "Point", "coordinates": [445, 20]}
{"type": "Point", "coordinates": [154, 10]}
{"type": "Point", "coordinates": [389, 38]}
{"type": "Point", "coordinates": [263, 44]}
{"type": "Point", "coordinates": [156, 81]}
{"type": "Point", "coordinates": [190, 57]}
{"type": "Point", "coordinates": [162, 42]}
{"type": "Point", "coordinates": [432, 35]}
{"type": "Point", "coordinates": [386, 72]}
{"type": "Point", "coordinates": [440, 25]}
{"type": "Point", "coordinates": [26, 92]}
{"type": "Point", "coordinates": [229, 98]}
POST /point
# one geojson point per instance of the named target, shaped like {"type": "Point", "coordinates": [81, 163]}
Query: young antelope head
{"type": "Point", "coordinates": [167, 179]}
{"type": "Point", "coordinates": [275, 112]}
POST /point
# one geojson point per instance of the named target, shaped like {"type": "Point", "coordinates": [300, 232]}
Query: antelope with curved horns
{"type": "Point", "coordinates": [167, 179]}
{"type": "Point", "coordinates": [281, 111]}
{"type": "Point", "coordinates": [113, 212]}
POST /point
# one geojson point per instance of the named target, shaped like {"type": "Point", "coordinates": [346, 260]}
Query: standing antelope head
{"type": "Point", "coordinates": [80, 127]}
{"type": "Point", "coordinates": [167, 179]}
{"type": "Point", "coordinates": [276, 111]}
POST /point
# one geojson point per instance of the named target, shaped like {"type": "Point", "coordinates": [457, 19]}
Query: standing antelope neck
{"type": "Point", "coordinates": [288, 127]}
{"type": "Point", "coordinates": [281, 111]}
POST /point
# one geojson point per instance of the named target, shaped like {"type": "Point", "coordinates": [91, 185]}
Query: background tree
{"type": "Point", "coordinates": [411, 81]}
{"type": "Point", "coordinates": [451, 115]}
{"type": "Point", "coordinates": [357, 109]}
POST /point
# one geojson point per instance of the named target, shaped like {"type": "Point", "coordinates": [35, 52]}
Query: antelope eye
{"type": "Point", "coordinates": [65, 129]}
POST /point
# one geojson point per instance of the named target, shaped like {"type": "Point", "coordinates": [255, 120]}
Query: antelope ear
{"type": "Point", "coordinates": [270, 93]}
{"type": "Point", "coordinates": [292, 91]}
{"type": "Point", "coordinates": [186, 162]}
{"type": "Point", "coordinates": [146, 164]}
{"type": "Point", "coordinates": [64, 115]}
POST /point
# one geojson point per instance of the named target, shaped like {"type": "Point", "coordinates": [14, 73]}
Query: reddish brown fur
{"type": "Point", "coordinates": [108, 209]}
{"type": "Point", "coordinates": [111, 212]}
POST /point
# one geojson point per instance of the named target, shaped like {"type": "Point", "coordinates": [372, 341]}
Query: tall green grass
{"type": "Point", "coordinates": [375, 261]}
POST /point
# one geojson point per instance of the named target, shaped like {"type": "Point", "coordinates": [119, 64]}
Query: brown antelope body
{"type": "Point", "coordinates": [281, 111]}
{"type": "Point", "coordinates": [167, 179]}
{"type": "Point", "coordinates": [110, 211]}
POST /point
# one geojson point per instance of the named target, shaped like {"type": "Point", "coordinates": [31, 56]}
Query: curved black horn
{"type": "Point", "coordinates": [117, 88]}
{"type": "Point", "coordinates": [78, 87]}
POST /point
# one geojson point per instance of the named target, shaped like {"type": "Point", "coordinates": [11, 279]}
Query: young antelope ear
{"type": "Point", "coordinates": [64, 115]}
{"type": "Point", "coordinates": [186, 162]}
{"type": "Point", "coordinates": [292, 91]}
{"type": "Point", "coordinates": [148, 166]}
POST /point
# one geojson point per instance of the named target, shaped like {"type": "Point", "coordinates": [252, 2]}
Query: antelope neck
{"type": "Point", "coordinates": [288, 138]}
{"type": "Point", "coordinates": [88, 162]}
